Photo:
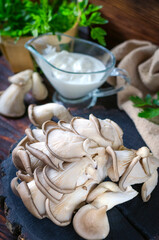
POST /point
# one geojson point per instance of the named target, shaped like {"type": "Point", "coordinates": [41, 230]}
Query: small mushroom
{"type": "Point", "coordinates": [140, 168]}
{"type": "Point", "coordinates": [39, 114]}
{"type": "Point", "coordinates": [91, 223]}
{"type": "Point", "coordinates": [12, 99]}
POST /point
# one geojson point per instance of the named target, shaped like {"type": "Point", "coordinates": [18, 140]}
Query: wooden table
{"type": "Point", "coordinates": [10, 131]}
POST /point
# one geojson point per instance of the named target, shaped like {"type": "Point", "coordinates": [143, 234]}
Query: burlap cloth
{"type": "Point", "coordinates": [141, 60]}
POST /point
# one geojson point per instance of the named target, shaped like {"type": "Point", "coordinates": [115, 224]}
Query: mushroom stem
{"type": "Point", "coordinates": [38, 88]}
{"type": "Point", "coordinates": [39, 114]}
{"type": "Point", "coordinates": [149, 186]}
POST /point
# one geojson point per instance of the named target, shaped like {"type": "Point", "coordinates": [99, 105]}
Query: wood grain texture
{"type": "Point", "coordinates": [10, 131]}
{"type": "Point", "coordinates": [130, 19]}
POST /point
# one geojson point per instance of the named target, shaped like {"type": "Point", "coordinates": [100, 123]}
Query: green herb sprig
{"type": "Point", "coordinates": [24, 17]}
{"type": "Point", "coordinates": [149, 106]}
{"type": "Point", "coordinates": [91, 16]}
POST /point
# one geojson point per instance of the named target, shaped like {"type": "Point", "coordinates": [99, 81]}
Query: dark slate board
{"type": "Point", "coordinates": [133, 220]}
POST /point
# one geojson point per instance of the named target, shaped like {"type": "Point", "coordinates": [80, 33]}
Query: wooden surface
{"type": "Point", "coordinates": [130, 19]}
{"type": "Point", "coordinates": [11, 130]}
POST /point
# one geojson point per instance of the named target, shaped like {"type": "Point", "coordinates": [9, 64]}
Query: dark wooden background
{"type": "Point", "coordinates": [127, 19]}
{"type": "Point", "coordinates": [130, 19]}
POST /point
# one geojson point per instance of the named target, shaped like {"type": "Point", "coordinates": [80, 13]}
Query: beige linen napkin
{"type": "Point", "coordinates": [141, 60]}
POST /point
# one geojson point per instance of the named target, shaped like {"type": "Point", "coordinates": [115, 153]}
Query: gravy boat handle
{"type": "Point", "coordinates": [103, 92]}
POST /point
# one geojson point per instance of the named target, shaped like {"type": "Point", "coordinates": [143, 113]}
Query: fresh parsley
{"type": "Point", "coordinates": [149, 106]}
{"type": "Point", "coordinates": [25, 17]}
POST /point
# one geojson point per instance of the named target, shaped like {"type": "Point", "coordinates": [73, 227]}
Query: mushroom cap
{"type": "Point", "coordinates": [91, 223]}
{"type": "Point", "coordinates": [42, 113]}
{"type": "Point", "coordinates": [103, 132]}
{"type": "Point", "coordinates": [27, 199]}
{"type": "Point", "coordinates": [71, 144]}
{"type": "Point", "coordinates": [143, 152]}
{"type": "Point", "coordinates": [21, 78]}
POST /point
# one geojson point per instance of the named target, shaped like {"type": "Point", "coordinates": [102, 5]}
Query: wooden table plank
{"type": "Point", "coordinates": [130, 19]}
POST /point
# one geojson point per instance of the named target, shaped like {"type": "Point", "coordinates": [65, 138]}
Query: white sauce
{"type": "Point", "coordinates": [72, 85]}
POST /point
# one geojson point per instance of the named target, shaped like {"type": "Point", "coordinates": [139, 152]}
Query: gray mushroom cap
{"type": "Point", "coordinates": [91, 223]}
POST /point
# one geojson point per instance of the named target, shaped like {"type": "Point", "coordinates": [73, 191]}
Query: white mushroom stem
{"type": "Point", "coordinates": [38, 88]}
{"type": "Point", "coordinates": [149, 186]}
{"type": "Point", "coordinates": [39, 114]}
{"type": "Point", "coordinates": [91, 223]}
{"type": "Point", "coordinates": [109, 194]}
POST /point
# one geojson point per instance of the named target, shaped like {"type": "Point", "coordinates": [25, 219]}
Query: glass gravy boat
{"type": "Point", "coordinates": [70, 90]}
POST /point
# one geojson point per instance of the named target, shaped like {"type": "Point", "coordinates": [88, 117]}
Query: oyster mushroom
{"type": "Point", "coordinates": [61, 167]}
{"type": "Point", "coordinates": [12, 99]}
{"type": "Point", "coordinates": [140, 168]}
{"type": "Point", "coordinates": [91, 223]}
{"type": "Point", "coordinates": [39, 114]}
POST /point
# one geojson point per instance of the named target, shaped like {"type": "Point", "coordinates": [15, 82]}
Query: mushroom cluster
{"type": "Point", "coordinates": [12, 99]}
{"type": "Point", "coordinates": [62, 168]}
